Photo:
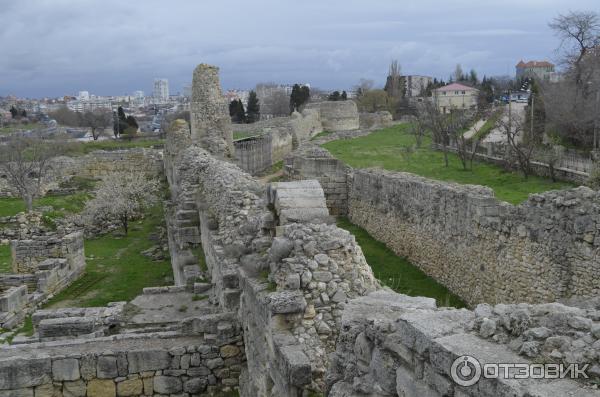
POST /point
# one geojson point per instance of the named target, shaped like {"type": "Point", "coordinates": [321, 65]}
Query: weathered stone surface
{"type": "Point", "coordinates": [132, 387]}
{"type": "Point", "coordinates": [101, 388]}
{"type": "Point", "coordinates": [167, 385]}
{"type": "Point", "coordinates": [107, 367]}
{"type": "Point", "coordinates": [74, 389]}
{"type": "Point", "coordinates": [66, 369]}
{"type": "Point", "coordinates": [148, 360]}
{"type": "Point", "coordinates": [22, 373]}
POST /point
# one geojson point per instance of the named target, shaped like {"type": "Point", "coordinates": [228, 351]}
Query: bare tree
{"type": "Point", "coordinates": [458, 73]}
{"type": "Point", "coordinates": [363, 86]}
{"type": "Point", "coordinates": [25, 162]}
{"type": "Point", "coordinates": [520, 149]}
{"type": "Point", "coordinates": [418, 128]}
{"type": "Point", "coordinates": [466, 147]}
{"type": "Point", "coordinates": [437, 123]}
{"type": "Point", "coordinates": [552, 158]}
{"type": "Point", "coordinates": [97, 121]}
{"type": "Point", "coordinates": [122, 196]}
{"type": "Point", "coordinates": [394, 85]}
{"type": "Point", "coordinates": [580, 33]}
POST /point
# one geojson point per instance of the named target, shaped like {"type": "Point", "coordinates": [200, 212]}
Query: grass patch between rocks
{"type": "Point", "coordinates": [397, 272]}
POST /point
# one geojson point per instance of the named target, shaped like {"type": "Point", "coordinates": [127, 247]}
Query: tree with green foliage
{"type": "Point", "coordinates": [237, 112]}
{"type": "Point", "coordinates": [300, 95]}
{"type": "Point", "coordinates": [334, 96]}
{"type": "Point", "coordinates": [253, 109]}
{"type": "Point", "coordinates": [344, 96]}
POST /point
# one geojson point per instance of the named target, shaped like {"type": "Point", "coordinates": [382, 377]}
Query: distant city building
{"type": "Point", "coordinates": [83, 95]}
{"type": "Point", "coordinates": [416, 85]}
{"type": "Point", "coordinates": [455, 96]}
{"type": "Point", "coordinates": [187, 91]}
{"type": "Point", "coordinates": [234, 95]}
{"type": "Point", "coordinates": [90, 105]}
{"type": "Point", "coordinates": [543, 70]}
{"type": "Point", "coordinates": [161, 91]}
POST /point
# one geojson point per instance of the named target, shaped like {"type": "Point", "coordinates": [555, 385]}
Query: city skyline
{"type": "Point", "coordinates": [330, 45]}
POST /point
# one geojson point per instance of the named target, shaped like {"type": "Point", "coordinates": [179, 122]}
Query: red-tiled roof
{"type": "Point", "coordinates": [535, 64]}
{"type": "Point", "coordinates": [456, 87]}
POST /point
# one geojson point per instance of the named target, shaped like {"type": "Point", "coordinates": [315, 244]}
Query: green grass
{"type": "Point", "coordinates": [242, 135]}
{"type": "Point", "coordinates": [62, 204]}
{"type": "Point", "coordinates": [321, 135]}
{"type": "Point", "coordinates": [5, 259]}
{"type": "Point", "coordinates": [115, 269]}
{"type": "Point", "coordinates": [396, 272]}
{"type": "Point", "coordinates": [81, 148]}
{"type": "Point", "coordinates": [489, 125]}
{"type": "Point", "coordinates": [20, 127]}
{"type": "Point", "coordinates": [385, 149]}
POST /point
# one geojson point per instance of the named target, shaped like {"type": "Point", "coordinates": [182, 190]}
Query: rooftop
{"type": "Point", "coordinates": [456, 87]}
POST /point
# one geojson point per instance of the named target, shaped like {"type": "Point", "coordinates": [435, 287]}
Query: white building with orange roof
{"type": "Point", "coordinates": [543, 70]}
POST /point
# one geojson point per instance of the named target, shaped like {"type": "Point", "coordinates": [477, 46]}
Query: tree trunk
{"type": "Point", "coordinates": [28, 201]}
{"type": "Point", "coordinates": [125, 223]}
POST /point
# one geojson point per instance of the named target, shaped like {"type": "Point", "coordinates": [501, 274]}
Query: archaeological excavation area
{"type": "Point", "coordinates": [270, 298]}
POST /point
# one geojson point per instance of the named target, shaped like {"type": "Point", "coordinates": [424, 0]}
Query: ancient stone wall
{"type": "Point", "coordinates": [483, 249]}
{"type": "Point", "coordinates": [206, 358]}
{"type": "Point", "coordinates": [337, 115]}
{"type": "Point", "coordinates": [375, 120]}
{"type": "Point", "coordinates": [95, 165]}
{"type": "Point", "coordinates": [313, 162]}
{"type": "Point", "coordinates": [395, 345]}
{"type": "Point", "coordinates": [211, 123]}
{"type": "Point", "coordinates": [27, 255]}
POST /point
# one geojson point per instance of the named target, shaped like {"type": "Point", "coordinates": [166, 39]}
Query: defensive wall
{"type": "Point", "coordinates": [481, 248]}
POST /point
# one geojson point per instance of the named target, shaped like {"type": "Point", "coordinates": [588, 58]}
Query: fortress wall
{"type": "Point", "coordinates": [483, 249]}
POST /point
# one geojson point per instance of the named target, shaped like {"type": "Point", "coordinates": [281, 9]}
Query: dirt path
{"type": "Point", "coordinates": [269, 178]}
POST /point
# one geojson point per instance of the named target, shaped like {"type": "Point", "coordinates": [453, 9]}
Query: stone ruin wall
{"type": "Point", "coordinates": [210, 120]}
{"type": "Point", "coordinates": [482, 249]}
{"type": "Point", "coordinates": [204, 357]}
{"type": "Point", "coordinates": [337, 115]}
{"type": "Point", "coordinates": [43, 266]}
{"type": "Point", "coordinates": [312, 317]}
{"type": "Point", "coordinates": [93, 165]}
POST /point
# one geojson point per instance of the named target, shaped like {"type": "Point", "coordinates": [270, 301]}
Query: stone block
{"type": "Point", "coordinates": [132, 387]}
{"type": "Point", "coordinates": [74, 389]}
{"type": "Point", "coordinates": [65, 369]}
{"type": "Point", "coordinates": [107, 367]}
{"type": "Point", "coordinates": [101, 388]}
{"type": "Point", "coordinates": [167, 385]}
{"type": "Point", "coordinates": [148, 360]}
{"type": "Point", "coordinates": [22, 373]}
{"type": "Point", "coordinates": [28, 392]}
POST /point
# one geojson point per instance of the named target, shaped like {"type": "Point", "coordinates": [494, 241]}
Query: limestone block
{"type": "Point", "coordinates": [148, 360]}
{"type": "Point", "coordinates": [107, 367]}
{"type": "Point", "coordinates": [167, 385]}
{"type": "Point", "coordinates": [17, 393]}
{"type": "Point", "coordinates": [74, 389]}
{"type": "Point", "coordinates": [101, 388]}
{"type": "Point", "coordinates": [65, 369]}
{"type": "Point", "coordinates": [229, 351]}
{"type": "Point", "coordinates": [132, 387]}
{"type": "Point", "coordinates": [21, 373]}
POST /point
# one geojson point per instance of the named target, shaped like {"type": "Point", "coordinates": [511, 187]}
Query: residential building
{"type": "Point", "coordinates": [543, 70]}
{"type": "Point", "coordinates": [415, 85]}
{"type": "Point", "coordinates": [455, 96]}
{"type": "Point", "coordinates": [89, 105]}
{"type": "Point", "coordinates": [161, 91]}
{"type": "Point", "coordinates": [83, 95]}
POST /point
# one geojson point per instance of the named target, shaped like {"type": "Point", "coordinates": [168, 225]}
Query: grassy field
{"type": "Point", "coordinates": [81, 148]}
{"type": "Point", "coordinates": [19, 127]}
{"type": "Point", "coordinates": [62, 204]}
{"type": "Point", "coordinates": [5, 259]}
{"type": "Point", "coordinates": [387, 149]}
{"type": "Point", "coordinates": [116, 270]}
{"type": "Point", "coordinates": [396, 272]}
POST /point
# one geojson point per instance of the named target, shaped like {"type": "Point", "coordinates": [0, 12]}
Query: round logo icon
{"type": "Point", "coordinates": [466, 371]}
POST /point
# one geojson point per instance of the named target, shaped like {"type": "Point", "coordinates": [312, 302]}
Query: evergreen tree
{"type": "Point", "coordinates": [473, 77]}
{"type": "Point", "coordinates": [300, 95]}
{"type": "Point", "coordinates": [539, 115]}
{"type": "Point", "coordinates": [334, 96]}
{"type": "Point", "coordinates": [344, 96]}
{"type": "Point", "coordinates": [253, 110]}
{"type": "Point", "coordinates": [14, 112]}
{"type": "Point", "coordinates": [237, 112]}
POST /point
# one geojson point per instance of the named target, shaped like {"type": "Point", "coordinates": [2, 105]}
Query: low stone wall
{"type": "Point", "coordinates": [207, 358]}
{"type": "Point", "coordinates": [95, 165]}
{"type": "Point", "coordinates": [313, 162]}
{"type": "Point", "coordinates": [375, 120]}
{"type": "Point", "coordinates": [483, 249]}
{"type": "Point", "coordinates": [395, 345]}
{"type": "Point", "coordinates": [28, 254]}
{"type": "Point", "coordinates": [337, 115]}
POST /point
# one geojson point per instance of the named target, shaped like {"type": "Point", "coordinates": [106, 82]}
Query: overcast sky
{"type": "Point", "coordinates": [113, 47]}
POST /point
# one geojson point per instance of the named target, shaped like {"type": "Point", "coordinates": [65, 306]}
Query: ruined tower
{"type": "Point", "coordinates": [211, 124]}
